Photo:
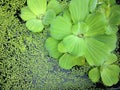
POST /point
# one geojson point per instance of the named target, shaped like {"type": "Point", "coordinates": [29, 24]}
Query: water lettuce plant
{"type": "Point", "coordinates": [38, 13]}
{"type": "Point", "coordinates": [83, 33]}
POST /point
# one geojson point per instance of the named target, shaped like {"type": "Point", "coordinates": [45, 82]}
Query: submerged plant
{"type": "Point", "coordinates": [83, 33]}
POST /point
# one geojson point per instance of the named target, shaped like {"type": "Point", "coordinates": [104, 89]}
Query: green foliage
{"type": "Point", "coordinates": [108, 72]}
{"type": "Point", "coordinates": [82, 32]}
{"type": "Point", "coordinates": [24, 63]}
{"type": "Point", "coordinates": [87, 29]}
{"type": "Point", "coordinates": [38, 13]}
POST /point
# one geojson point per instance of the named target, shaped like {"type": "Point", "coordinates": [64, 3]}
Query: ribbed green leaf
{"type": "Point", "coordinates": [34, 25]}
{"type": "Point", "coordinates": [67, 61]}
{"type": "Point", "coordinates": [67, 15]}
{"type": "Point", "coordinates": [111, 59]}
{"type": "Point", "coordinates": [74, 45]}
{"type": "Point", "coordinates": [60, 28]}
{"type": "Point", "coordinates": [114, 17]}
{"type": "Point", "coordinates": [96, 52]}
{"type": "Point", "coordinates": [80, 29]}
{"type": "Point", "coordinates": [52, 47]}
{"type": "Point", "coordinates": [55, 5]}
{"type": "Point", "coordinates": [110, 75]}
{"type": "Point", "coordinates": [27, 14]}
{"type": "Point", "coordinates": [49, 16]}
{"type": "Point", "coordinates": [96, 23]}
{"type": "Point", "coordinates": [92, 5]}
{"type": "Point", "coordinates": [94, 74]}
{"type": "Point", "coordinates": [111, 29]}
{"type": "Point", "coordinates": [79, 9]}
{"type": "Point", "coordinates": [61, 47]}
{"type": "Point", "coordinates": [38, 7]}
{"type": "Point", "coordinates": [109, 40]}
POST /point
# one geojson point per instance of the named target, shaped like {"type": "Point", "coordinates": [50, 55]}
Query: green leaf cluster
{"type": "Point", "coordinates": [83, 33]}
{"type": "Point", "coordinates": [39, 13]}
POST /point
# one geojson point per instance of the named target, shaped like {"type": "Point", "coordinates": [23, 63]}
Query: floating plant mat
{"type": "Point", "coordinates": [24, 62]}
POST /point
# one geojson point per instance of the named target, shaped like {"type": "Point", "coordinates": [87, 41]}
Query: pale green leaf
{"type": "Point", "coordinates": [74, 45]}
{"type": "Point", "coordinates": [110, 74]}
{"type": "Point", "coordinates": [114, 17]}
{"type": "Point", "coordinates": [109, 40]}
{"type": "Point", "coordinates": [96, 23]}
{"type": "Point", "coordinates": [111, 59]}
{"type": "Point", "coordinates": [92, 5]}
{"type": "Point", "coordinates": [27, 14]}
{"type": "Point", "coordinates": [67, 15]}
{"type": "Point", "coordinates": [67, 61]}
{"type": "Point", "coordinates": [49, 16]}
{"type": "Point", "coordinates": [38, 7]}
{"type": "Point", "coordinates": [80, 29]}
{"type": "Point", "coordinates": [61, 48]}
{"type": "Point", "coordinates": [34, 25]}
{"type": "Point", "coordinates": [96, 52]}
{"type": "Point", "coordinates": [94, 74]}
{"type": "Point", "coordinates": [111, 29]}
{"type": "Point", "coordinates": [55, 5]}
{"type": "Point", "coordinates": [60, 28]}
{"type": "Point", "coordinates": [52, 47]}
{"type": "Point", "coordinates": [79, 9]}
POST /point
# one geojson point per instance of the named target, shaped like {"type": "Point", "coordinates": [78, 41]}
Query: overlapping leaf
{"type": "Point", "coordinates": [79, 10]}
{"type": "Point", "coordinates": [92, 5]}
{"type": "Point", "coordinates": [49, 16]}
{"type": "Point", "coordinates": [34, 25]}
{"type": "Point", "coordinates": [110, 74]}
{"type": "Point", "coordinates": [27, 14]}
{"type": "Point", "coordinates": [67, 61]}
{"type": "Point", "coordinates": [60, 28]}
{"type": "Point", "coordinates": [94, 74]}
{"type": "Point", "coordinates": [74, 45]}
{"type": "Point", "coordinates": [38, 7]}
{"type": "Point", "coordinates": [96, 23]}
{"type": "Point", "coordinates": [109, 40]}
{"type": "Point", "coordinates": [95, 52]}
{"type": "Point", "coordinates": [52, 47]}
{"type": "Point", "coordinates": [111, 59]}
{"type": "Point", "coordinates": [61, 48]}
{"type": "Point", "coordinates": [114, 17]}
{"type": "Point", "coordinates": [55, 5]}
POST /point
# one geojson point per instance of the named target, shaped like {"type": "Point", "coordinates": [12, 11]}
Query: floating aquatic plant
{"type": "Point", "coordinates": [38, 13]}
{"type": "Point", "coordinates": [83, 33]}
